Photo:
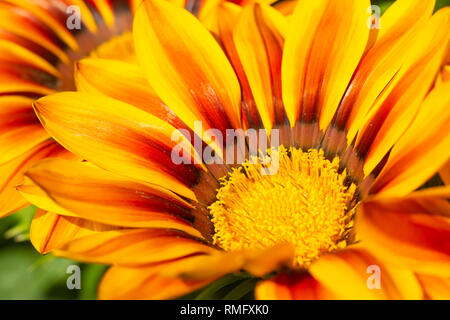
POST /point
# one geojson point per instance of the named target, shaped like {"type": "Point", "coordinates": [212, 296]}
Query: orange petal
{"type": "Point", "coordinates": [432, 201]}
{"type": "Point", "coordinates": [186, 67]}
{"type": "Point", "coordinates": [50, 231]}
{"type": "Point", "coordinates": [445, 172]}
{"type": "Point", "coordinates": [119, 137]}
{"type": "Point", "coordinates": [12, 81]}
{"type": "Point", "coordinates": [256, 262]}
{"type": "Point", "coordinates": [120, 283]}
{"type": "Point", "coordinates": [47, 16]}
{"type": "Point", "coordinates": [174, 278]}
{"type": "Point", "coordinates": [292, 286]}
{"type": "Point", "coordinates": [286, 7]}
{"type": "Point", "coordinates": [416, 240]}
{"type": "Point", "coordinates": [400, 25]}
{"type": "Point", "coordinates": [20, 129]}
{"type": "Point", "coordinates": [259, 45]}
{"type": "Point", "coordinates": [11, 52]}
{"type": "Point", "coordinates": [122, 81]}
{"type": "Point", "coordinates": [352, 273]}
{"type": "Point", "coordinates": [436, 288]}
{"type": "Point", "coordinates": [136, 247]}
{"type": "Point", "coordinates": [323, 48]}
{"type": "Point", "coordinates": [422, 150]}
{"type": "Point", "coordinates": [397, 106]}
{"type": "Point", "coordinates": [85, 13]}
{"type": "Point", "coordinates": [20, 23]}
{"type": "Point", "coordinates": [105, 10]}
{"type": "Point", "coordinates": [229, 13]}
{"type": "Point", "coordinates": [78, 189]}
{"type": "Point", "coordinates": [11, 174]}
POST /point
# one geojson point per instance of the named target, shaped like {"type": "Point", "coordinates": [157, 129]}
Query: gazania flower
{"type": "Point", "coordinates": [360, 132]}
{"type": "Point", "coordinates": [40, 41]}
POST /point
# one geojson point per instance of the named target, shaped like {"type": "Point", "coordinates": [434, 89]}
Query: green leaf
{"type": "Point", "coordinates": [441, 3]}
{"type": "Point", "coordinates": [241, 290]}
{"type": "Point", "coordinates": [25, 274]}
{"type": "Point", "coordinates": [219, 288]}
{"type": "Point", "coordinates": [17, 225]}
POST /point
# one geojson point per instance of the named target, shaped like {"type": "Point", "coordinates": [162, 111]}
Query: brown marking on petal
{"type": "Point", "coordinates": [199, 86]}
{"type": "Point", "coordinates": [274, 50]}
{"type": "Point", "coordinates": [21, 117]}
{"type": "Point", "coordinates": [306, 135]}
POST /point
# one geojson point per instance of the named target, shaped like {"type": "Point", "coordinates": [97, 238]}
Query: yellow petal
{"type": "Point", "coordinates": [15, 53]}
{"type": "Point", "coordinates": [133, 247]}
{"type": "Point", "coordinates": [45, 16]}
{"type": "Point", "coordinates": [259, 46]}
{"type": "Point", "coordinates": [171, 279]}
{"type": "Point", "coordinates": [436, 288]}
{"type": "Point", "coordinates": [346, 274]}
{"type": "Point", "coordinates": [20, 129]}
{"type": "Point", "coordinates": [50, 231]}
{"type": "Point", "coordinates": [323, 47]}
{"type": "Point", "coordinates": [422, 150]}
{"type": "Point", "coordinates": [186, 67]}
{"type": "Point", "coordinates": [445, 172]}
{"type": "Point", "coordinates": [77, 189]}
{"type": "Point", "coordinates": [415, 240]}
{"type": "Point", "coordinates": [385, 61]}
{"type": "Point", "coordinates": [120, 283]}
{"type": "Point", "coordinates": [119, 137]}
{"type": "Point", "coordinates": [29, 29]}
{"type": "Point", "coordinates": [396, 109]}
{"type": "Point", "coordinates": [292, 286]}
{"type": "Point", "coordinates": [11, 174]}
{"type": "Point", "coordinates": [122, 81]}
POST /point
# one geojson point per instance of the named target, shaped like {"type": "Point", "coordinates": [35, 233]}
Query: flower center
{"type": "Point", "coordinates": [305, 203]}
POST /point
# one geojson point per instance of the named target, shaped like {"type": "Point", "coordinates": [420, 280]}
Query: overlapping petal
{"type": "Point", "coordinates": [174, 278]}
{"type": "Point", "coordinates": [292, 286]}
{"type": "Point", "coordinates": [259, 38]}
{"type": "Point", "coordinates": [406, 235]}
{"type": "Point", "coordinates": [50, 231]}
{"type": "Point", "coordinates": [11, 174]}
{"type": "Point", "coordinates": [134, 247]}
{"type": "Point", "coordinates": [436, 288]}
{"type": "Point", "coordinates": [186, 67]}
{"type": "Point", "coordinates": [422, 150]}
{"type": "Point", "coordinates": [381, 63]}
{"type": "Point", "coordinates": [78, 189]}
{"type": "Point", "coordinates": [323, 47]}
{"type": "Point", "coordinates": [125, 82]}
{"type": "Point", "coordinates": [119, 137]}
{"type": "Point", "coordinates": [145, 283]}
{"type": "Point", "coordinates": [395, 109]}
{"type": "Point", "coordinates": [20, 129]}
{"type": "Point", "coordinates": [347, 274]}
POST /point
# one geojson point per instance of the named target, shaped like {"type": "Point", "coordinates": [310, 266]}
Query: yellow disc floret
{"type": "Point", "coordinates": [305, 202]}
